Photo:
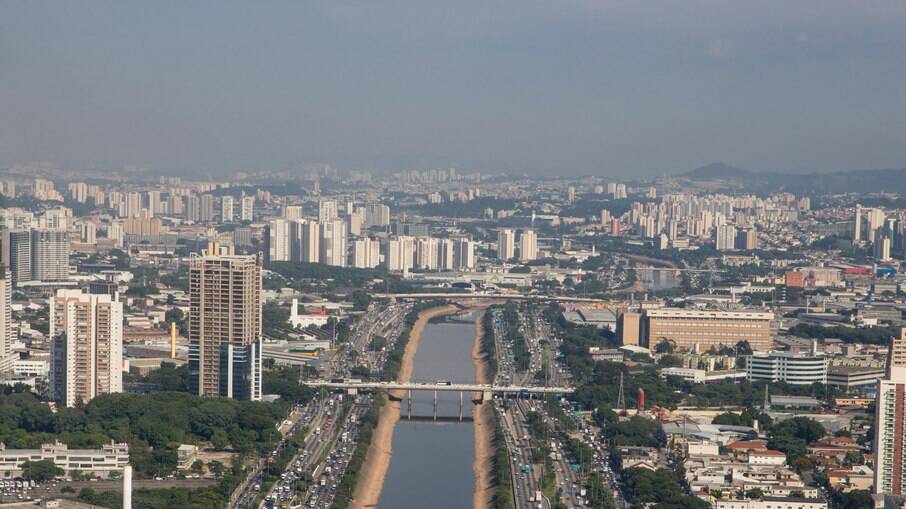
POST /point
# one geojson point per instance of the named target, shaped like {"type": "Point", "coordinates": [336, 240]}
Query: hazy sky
{"type": "Point", "coordinates": [545, 88]}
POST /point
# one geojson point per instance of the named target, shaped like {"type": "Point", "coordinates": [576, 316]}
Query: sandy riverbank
{"type": "Point", "coordinates": [483, 426]}
{"type": "Point", "coordinates": [377, 461]}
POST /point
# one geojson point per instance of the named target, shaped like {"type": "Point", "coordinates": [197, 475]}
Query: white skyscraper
{"type": "Point", "coordinates": [279, 240]}
{"type": "Point", "coordinates": [87, 346]}
{"type": "Point", "coordinates": [890, 414]}
{"type": "Point", "coordinates": [6, 318]}
{"type": "Point", "coordinates": [725, 239]}
{"type": "Point", "coordinates": [366, 253]}
{"type": "Point", "coordinates": [400, 254]}
{"type": "Point", "coordinates": [464, 254]}
{"type": "Point", "coordinates": [248, 208]}
{"type": "Point", "coordinates": [227, 208]}
{"type": "Point", "coordinates": [506, 244]}
{"type": "Point", "coordinates": [528, 245]}
{"type": "Point", "coordinates": [310, 242]}
{"type": "Point", "coordinates": [327, 210]}
{"type": "Point", "coordinates": [333, 242]}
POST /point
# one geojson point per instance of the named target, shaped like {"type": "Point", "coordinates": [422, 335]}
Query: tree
{"type": "Point", "coordinates": [40, 471]}
{"type": "Point", "coordinates": [754, 493]}
{"type": "Point", "coordinates": [797, 494]}
{"type": "Point", "coordinates": [664, 346]}
{"type": "Point", "coordinates": [743, 348]}
{"type": "Point", "coordinates": [197, 467]}
{"type": "Point", "coordinates": [219, 439]}
{"type": "Point", "coordinates": [217, 468]}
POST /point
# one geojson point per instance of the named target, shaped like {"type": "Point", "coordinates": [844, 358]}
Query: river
{"type": "Point", "coordinates": [432, 462]}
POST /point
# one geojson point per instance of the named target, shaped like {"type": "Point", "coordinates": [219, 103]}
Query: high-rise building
{"type": "Point", "coordinates": [193, 208]}
{"type": "Point", "coordinates": [890, 422]}
{"type": "Point", "coordinates": [16, 254]}
{"type": "Point", "coordinates": [747, 239]}
{"type": "Point", "coordinates": [227, 208]}
{"type": "Point", "coordinates": [154, 203]}
{"type": "Point", "coordinates": [464, 254]}
{"type": "Point", "coordinates": [309, 235]}
{"type": "Point", "coordinates": [857, 225]}
{"type": "Point", "coordinates": [6, 318]}
{"type": "Point", "coordinates": [247, 212]}
{"type": "Point", "coordinates": [366, 253]}
{"type": "Point", "coordinates": [225, 324]}
{"type": "Point", "coordinates": [49, 255]}
{"type": "Point", "coordinates": [376, 214]}
{"type": "Point", "coordinates": [86, 331]}
{"type": "Point", "coordinates": [506, 244]}
{"type": "Point", "coordinates": [279, 240]}
{"type": "Point", "coordinates": [333, 242]}
{"type": "Point", "coordinates": [293, 212]}
{"type": "Point", "coordinates": [207, 208]}
{"type": "Point", "coordinates": [882, 248]}
{"type": "Point", "coordinates": [400, 254]}
{"type": "Point", "coordinates": [528, 245]}
{"type": "Point", "coordinates": [327, 210]}
{"type": "Point", "coordinates": [446, 255]}
{"type": "Point", "coordinates": [725, 237]}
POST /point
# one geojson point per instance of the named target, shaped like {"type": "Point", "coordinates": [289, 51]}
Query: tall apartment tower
{"type": "Point", "coordinates": [225, 324]}
{"type": "Point", "coordinates": [247, 209]}
{"type": "Point", "coordinates": [528, 245]}
{"type": "Point", "coordinates": [87, 346]}
{"type": "Point", "coordinates": [6, 318]}
{"type": "Point", "coordinates": [366, 253]}
{"type": "Point", "coordinates": [857, 225]}
{"type": "Point", "coordinates": [227, 206]}
{"type": "Point", "coordinates": [333, 242]}
{"type": "Point", "coordinates": [49, 255]}
{"type": "Point", "coordinates": [327, 210]}
{"type": "Point", "coordinates": [506, 244]}
{"type": "Point", "coordinates": [890, 422]}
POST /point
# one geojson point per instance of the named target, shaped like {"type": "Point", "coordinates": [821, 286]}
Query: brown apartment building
{"type": "Point", "coordinates": [225, 324]}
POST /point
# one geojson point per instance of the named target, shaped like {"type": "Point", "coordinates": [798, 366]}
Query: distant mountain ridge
{"type": "Point", "coordinates": [857, 181]}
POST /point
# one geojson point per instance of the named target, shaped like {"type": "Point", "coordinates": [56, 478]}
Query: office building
{"type": "Point", "coordinates": [629, 325]}
{"type": "Point", "coordinates": [227, 208]}
{"type": "Point", "coordinates": [49, 255]}
{"type": "Point", "coordinates": [333, 243]}
{"type": "Point", "coordinates": [108, 460]}
{"type": "Point", "coordinates": [528, 245]}
{"type": "Point", "coordinates": [86, 331]}
{"type": "Point", "coordinates": [890, 422]}
{"type": "Point", "coordinates": [225, 324]}
{"type": "Point", "coordinates": [247, 210]}
{"type": "Point", "coordinates": [700, 329]}
{"type": "Point", "coordinates": [366, 253]}
{"type": "Point", "coordinates": [506, 244]}
{"type": "Point", "coordinates": [794, 368]}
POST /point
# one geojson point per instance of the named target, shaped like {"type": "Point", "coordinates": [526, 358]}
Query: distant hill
{"type": "Point", "coordinates": [856, 181]}
{"type": "Point", "coordinates": [718, 171]}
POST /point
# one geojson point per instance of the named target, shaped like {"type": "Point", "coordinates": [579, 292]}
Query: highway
{"type": "Point", "coordinates": [329, 444]}
{"type": "Point", "coordinates": [440, 387]}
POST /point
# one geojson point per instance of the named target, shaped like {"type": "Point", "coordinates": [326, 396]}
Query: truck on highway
{"type": "Point", "coordinates": [538, 496]}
